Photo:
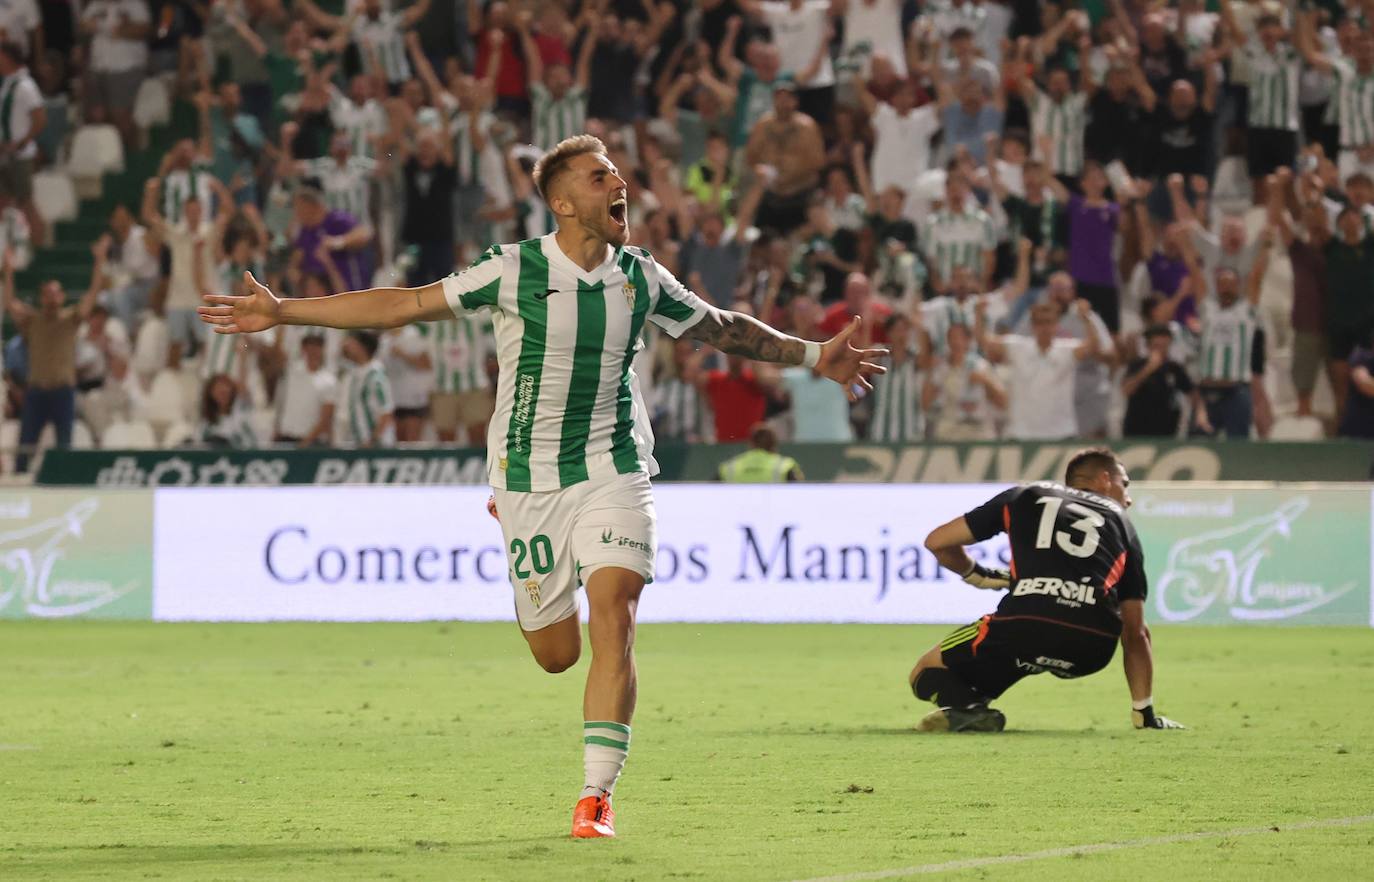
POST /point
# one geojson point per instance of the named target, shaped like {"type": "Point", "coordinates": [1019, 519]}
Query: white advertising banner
{"type": "Point", "coordinates": [790, 553]}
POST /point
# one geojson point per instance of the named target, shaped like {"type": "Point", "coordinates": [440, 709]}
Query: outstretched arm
{"type": "Point", "coordinates": [740, 334]}
{"type": "Point", "coordinates": [260, 309]}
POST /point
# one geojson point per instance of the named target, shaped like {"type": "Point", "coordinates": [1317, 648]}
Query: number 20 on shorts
{"type": "Point", "coordinates": [538, 552]}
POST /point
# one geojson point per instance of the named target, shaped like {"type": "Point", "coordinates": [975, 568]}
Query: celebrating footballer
{"type": "Point", "coordinates": [569, 455]}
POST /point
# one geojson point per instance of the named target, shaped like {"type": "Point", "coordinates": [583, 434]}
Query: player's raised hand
{"type": "Point", "coordinates": [257, 310]}
{"type": "Point", "coordinates": [1148, 719]}
{"type": "Point", "coordinates": [846, 365]}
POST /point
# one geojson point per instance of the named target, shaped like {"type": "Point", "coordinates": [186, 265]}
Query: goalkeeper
{"type": "Point", "coordinates": [1076, 585]}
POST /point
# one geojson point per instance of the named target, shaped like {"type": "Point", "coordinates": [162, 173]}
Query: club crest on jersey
{"type": "Point", "coordinates": [630, 295]}
{"type": "Point", "coordinates": [532, 589]}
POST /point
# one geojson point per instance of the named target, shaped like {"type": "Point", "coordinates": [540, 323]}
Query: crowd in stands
{"type": "Point", "coordinates": [1064, 220]}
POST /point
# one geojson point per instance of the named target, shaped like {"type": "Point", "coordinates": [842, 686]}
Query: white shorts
{"type": "Point", "coordinates": [555, 540]}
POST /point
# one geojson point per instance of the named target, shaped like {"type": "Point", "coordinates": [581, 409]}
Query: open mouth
{"type": "Point", "coordinates": [617, 211]}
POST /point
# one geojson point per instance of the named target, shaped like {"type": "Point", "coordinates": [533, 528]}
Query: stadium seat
{"type": "Point", "coordinates": [1297, 428]}
{"type": "Point", "coordinates": [9, 441]}
{"type": "Point", "coordinates": [81, 437]}
{"type": "Point", "coordinates": [190, 395]}
{"type": "Point", "coordinates": [264, 420]}
{"type": "Point", "coordinates": [152, 104]}
{"type": "Point", "coordinates": [96, 151]}
{"type": "Point", "coordinates": [177, 434]}
{"type": "Point", "coordinates": [150, 347]}
{"type": "Point", "coordinates": [129, 436]}
{"type": "Point", "coordinates": [165, 399]}
{"type": "Point", "coordinates": [54, 196]}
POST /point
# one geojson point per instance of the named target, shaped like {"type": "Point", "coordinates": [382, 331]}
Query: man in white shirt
{"type": "Point", "coordinates": [405, 354]}
{"type": "Point", "coordinates": [119, 31]}
{"type": "Point", "coordinates": [23, 117]}
{"type": "Point", "coordinates": [191, 243]}
{"type": "Point", "coordinates": [19, 23]}
{"type": "Point", "coordinates": [305, 397]}
{"type": "Point", "coordinates": [872, 27]}
{"type": "Point", "coordinates": [901, 136]}
{"type": "Point", "coordinates": [133, 268]}
{"type": "Point", "coordinates": [801, 30]}
{"type": "Point", "coordinates": [1043, 366]}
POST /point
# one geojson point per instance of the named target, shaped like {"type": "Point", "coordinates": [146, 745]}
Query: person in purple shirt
{"type": "Point", "coordinates": [348, 241]}
{"type": "Point", "coordinates": [1093, 222]}
{"type": "Point", "coordinates": [1168, 271]}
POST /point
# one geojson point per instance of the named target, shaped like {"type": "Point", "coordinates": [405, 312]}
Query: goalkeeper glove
{"type": "Point", "coordinates": [980, 576]}
{"type": "Point", "coordinates": [1145, 718]}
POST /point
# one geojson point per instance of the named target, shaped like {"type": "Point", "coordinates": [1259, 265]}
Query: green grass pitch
{"type": "Point", "coordinates": [440, 751]}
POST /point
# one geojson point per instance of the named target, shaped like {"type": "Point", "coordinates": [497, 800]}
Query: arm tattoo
{"type": "Point", "coordinates": [418, 304]}
{"type": "Point", "coordinates": [740, 334]}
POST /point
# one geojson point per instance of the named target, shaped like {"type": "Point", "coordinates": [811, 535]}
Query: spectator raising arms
{"type": "Point", "coordinates": [805, 160]}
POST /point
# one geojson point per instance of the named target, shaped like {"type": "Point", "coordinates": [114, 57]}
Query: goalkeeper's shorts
{"type": "Point", "coordinates": [995, 652]}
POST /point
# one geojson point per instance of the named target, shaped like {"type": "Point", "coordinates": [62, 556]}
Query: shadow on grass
{"type": "Point", "coordinates": [910, 732]}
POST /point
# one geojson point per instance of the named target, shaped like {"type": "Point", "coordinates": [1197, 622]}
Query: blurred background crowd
{"type": "Point", "coordinates": [1089, 219]}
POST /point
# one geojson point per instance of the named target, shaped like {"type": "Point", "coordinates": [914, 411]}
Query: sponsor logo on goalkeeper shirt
{"type": "Point", "coordinates": [1068, 593]}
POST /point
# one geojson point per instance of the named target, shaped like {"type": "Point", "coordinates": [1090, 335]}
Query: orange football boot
{"type": "Point", "coordinates": [593, 818]}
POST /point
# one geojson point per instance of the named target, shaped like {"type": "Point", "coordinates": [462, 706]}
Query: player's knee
{"type": "Point", "coordinates": [558, 660]}
{"type": "Point", "coordinates": [930, 660]}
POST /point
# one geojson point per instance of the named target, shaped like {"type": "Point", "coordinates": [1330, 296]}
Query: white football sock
{"type": "Point", "coordinates": [605, 746]}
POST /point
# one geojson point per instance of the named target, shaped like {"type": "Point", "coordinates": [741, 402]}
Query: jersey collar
{"type": "Point", "coordinates": [555, 255]}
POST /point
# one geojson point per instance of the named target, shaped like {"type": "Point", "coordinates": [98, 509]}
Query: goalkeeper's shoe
{"type": "Point", "coordinates": [593, 818]}
{"type": "Point", "coordinates": [973, 718]}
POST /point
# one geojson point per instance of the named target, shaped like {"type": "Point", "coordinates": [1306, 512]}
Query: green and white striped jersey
{"type": "Point", "coordinates": [1273, 86]}
{"type": "Point", "coordinates": [939, 313]}
{"type": "Point", "coordinates": [346, 187]}
{"type": "Point", "coordinates": [364, 398]}
{"type": "Point", "coordinates": [554, 119]}
{"type": "Point", "coordinates": [231, 430]}
{"type": "Point", "coordinates": [222, 355]}
{"type": "Point", "coordinates": [1064, 123]}
{"type": "Point", "coordinates": [897, 415]}
{"type": "Point", "coordinates": [223, 352]}
{"type": "Point", "coordinates": [1228, 336]}
{"type": "Point", "coordinates": [15, 236]}
{"type": "Point", "coordinates": [180, 185]}
{"type": "Point", "coordinates": [459, 348]}
{"type": "Point", "coordinates": [566, 406]}
{"type": "Point", "coordinates": [679, 414]}
{"type": "Point", "coordinates": [466, 157]}
{"type": "Point", "coordinates": [384, 41]}
{"type": "Point", "coordinates": [361, 122]}
{"type": "Point", "coordinates": [950, 239]}
{"type": "Point", "coordinates": [1354, 104]}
